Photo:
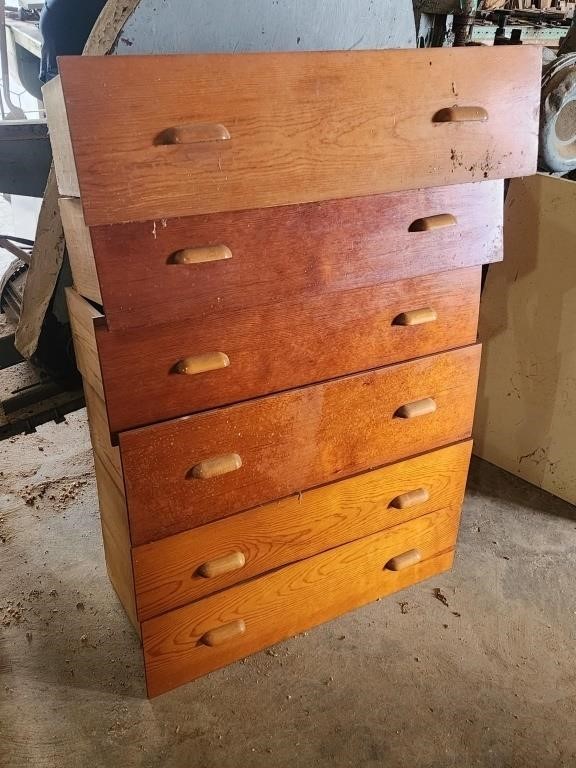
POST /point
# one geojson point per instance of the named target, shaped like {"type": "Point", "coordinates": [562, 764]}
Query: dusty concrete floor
{"type": "Point", "coordinates": [488, 680]}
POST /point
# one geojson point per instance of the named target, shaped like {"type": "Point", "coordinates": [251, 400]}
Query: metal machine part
{"type": "Point", "coordinates": [558, 116]}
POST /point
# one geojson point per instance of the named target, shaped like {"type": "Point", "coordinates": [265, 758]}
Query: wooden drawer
{"type": "Point", "coordinates": [184, 644]}
{"type": "Point", "coordinates": [181, 368]}
{"type": "Point", "coordinates": [184, 473]}
{"type": "Point", "coordinates": [182, 568]}
{"type": "Point", "coordinates": [206, 133]}
{"type": "Point", "coordinates": [280, 254]}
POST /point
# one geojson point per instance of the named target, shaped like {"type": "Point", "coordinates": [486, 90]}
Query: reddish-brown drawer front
{"type": "Point", "coordinates": [292, 252]}
{"type": "Point", "coordinates": [187, 472]}
{"type": "Point", "coordinates": [206, 133]}
{"type": "Point", "coordinates": [181, 368]}
{"type": "Point", "coordinates": [184, 644]}
{"type": "Point", "coordinates": [178, 569]}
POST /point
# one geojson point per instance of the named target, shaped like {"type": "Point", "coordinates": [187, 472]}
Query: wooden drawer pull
{"type": "Point", "coordinates": [227, 564]}
{"type": "Point", "coordinates": [429, 223]}
{"type": "Point", "coordinates": [416, 409]}
{"type": "Point", "coordinates": [221, 635]}
{"type": "Point", "coordinates": [410, 499]}
{"type": "Point", "coordinates": [212, 361]}
{"type": "Point", "coordinates": [416, 317]}
{"type": "Point", "coordinates": [461, 115]}
{"type": "Point", "coordinates": [405, 560]}
{"type": "Point", "coordinates": [201, 255]}
{"type": "Point", "coordinates": [193, 133]}
{"type": "Point", "coordinates": [219, 465]}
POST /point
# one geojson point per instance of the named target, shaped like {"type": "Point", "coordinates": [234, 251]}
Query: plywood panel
{"type": "Point", "coordinates": [526, 414]}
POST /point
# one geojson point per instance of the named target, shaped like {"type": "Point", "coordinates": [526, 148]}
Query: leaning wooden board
{"type": "Point", "coordinates": [166, 136]}
{"type": "Point", "coordinates": [281, 379]}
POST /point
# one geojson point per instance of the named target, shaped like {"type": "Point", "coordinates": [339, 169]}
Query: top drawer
{"type": "Point", "coordinates": [165, 136]}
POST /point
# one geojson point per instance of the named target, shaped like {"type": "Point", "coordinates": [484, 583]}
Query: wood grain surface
{"type": "Point", "coordinates": [303, 127]}
{"type": "Point", "coordinates": [292, 599]}
{"type": "Point", "coordinates": [292, 441]}
{"type": "Point", "coordinates": [79, 246]}
{"type": "Point", "coordinates": [292, 252]}
{"type": "Point", "coordinates": [170, 572]}
{"type": "Point", "coordinates": [112, 504]}
{"type": "Point", "coordinates": [281, 346]}
{"type": "Point", "coordinates": [82, 318]}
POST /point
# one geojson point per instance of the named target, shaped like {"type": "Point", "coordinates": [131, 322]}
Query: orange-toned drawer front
{"type": "Point", "coordinates": [181, 368]}
{"type": "Point", "coordinates": [205, 133]}
{"type": "Point", "coordinates": [179, 569]}
{"type": "Point", "coordinates": [163, 270]}
{"type": "Point", "coordinates": [187, 472]}
{"type": "Point", "coordinates": [184, 644]}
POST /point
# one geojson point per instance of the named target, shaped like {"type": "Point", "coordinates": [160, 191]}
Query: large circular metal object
{"type": "Point", "coordinates": [557, 152]}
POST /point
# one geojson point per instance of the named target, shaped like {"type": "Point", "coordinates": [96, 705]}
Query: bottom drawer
{"type": "Point", "coordinates": [190, 642]}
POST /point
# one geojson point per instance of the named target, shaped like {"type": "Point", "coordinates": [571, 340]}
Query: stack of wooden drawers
{"type": "Point", "coordinates": [277, 264]}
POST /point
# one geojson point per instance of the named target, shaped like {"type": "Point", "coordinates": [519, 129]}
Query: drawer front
{"type": "Point", "coordinates": [179, 569]}
{"type": "Point", "coordinates": [241, 131]}
{"type": "Point", "coordinates": [183, 271]}
{"type": "Point", "coordinates": [184, 644]}
{"type": "Point", "coordinates": [185, 367]}
{"type": "Point", "coordinates": [187, 472]}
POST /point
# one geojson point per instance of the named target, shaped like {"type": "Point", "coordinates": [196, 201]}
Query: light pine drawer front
{"type": "Point", "coordinates": [187, 472]}
{"type": "Point", "coordinates": [182, 568]}
{"type": "Point", "coordinates": [206, 133]}
{"type": "Point", "coordinates": [184, 644]}
{"type": "Point", "coordinates": [182, 368]}
{"type": "Point", "coordinates": [189, 267]}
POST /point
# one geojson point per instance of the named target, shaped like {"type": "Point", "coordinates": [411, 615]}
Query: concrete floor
{"type": "Point", "coordinates": [487, 680]}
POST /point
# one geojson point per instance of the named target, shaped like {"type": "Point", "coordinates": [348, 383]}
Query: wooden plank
{"type": "Point", "coordinates": [80, 251]}
{"type": "Point", "coordinates": [291, 252]}
{"type": "Point", "coordinates": [169, 573]}
{"type": "Point", "coordinates": [116, 540]}
{"type": "Point", "coordinates": [292, 441]}
{"type": "Point", "coordinates": [112, 502]}
{"type": "Point", "coordinates": [82, 317]}
{"type": "Point", "coordinates": [292, 599]}
{"type": "Point", "coordinates": [62, 152]}
{"type": "Point", "coordinates": [303, 127]}
{"type": "Point", "coordinates": [526, 417]}
{"type": "Point", "coordinates": [100, 435]}
{"type": "Point", "coordinates": [240, 355]}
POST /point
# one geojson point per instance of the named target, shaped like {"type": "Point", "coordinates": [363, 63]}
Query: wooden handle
{"type": "Point", "coordinates": [416, 317]}
{"type": "Point", "coordinates": [461, 115]}
{"type": "Point", "coordinates": [416, 409]}
{"type": "Point", "coordinates": [201, 255]}
{"type": "Point", "coordinates": [219, 465]}
{"type": "Point", "coordinates": [193, 133]}
{"type": "Point", "coordinates": [227, 564]}
{"type": "Point", "coordinates": [221, 635]}
{"type": "Point", "coordinates": [430, 223]}
{"type": "Point", "coordinates": [211, 361]}
{"type": "Point", "coordinates": [405, 560]}
{"type": "Point", "coordinates": [410, 499]}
